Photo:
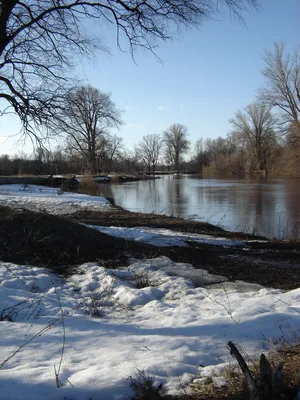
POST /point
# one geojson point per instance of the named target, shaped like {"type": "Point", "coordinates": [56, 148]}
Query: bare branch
{"type": "Point", "coordinates": [85, 120]}
{"type": "Point", "coordinates": [40, 39]}
{"type": "Point", "coordinates": [282, 89]}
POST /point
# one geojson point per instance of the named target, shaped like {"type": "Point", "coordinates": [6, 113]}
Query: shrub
{"type": "Point", "coordinates": [88, 185]}
{"type": "Point", "coordinates": [142, 279]}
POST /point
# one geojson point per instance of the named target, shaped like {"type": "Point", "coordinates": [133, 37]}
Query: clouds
{"type": "Point", "coordinates": [163, 108]}
{"type": "Point", "coordinates": [133, 125]}
{"type": "Point", "coordinates": [168, 108]}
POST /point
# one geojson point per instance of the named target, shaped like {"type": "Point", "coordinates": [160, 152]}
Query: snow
{"type": "Point", "coordinates": [52, 200]}
{"type": "Point", "coordinates": [164, 237]}
{"type": "Point", "coordinates": [165, 318]}
{"type": "Point", "coordinates": [167, 329]}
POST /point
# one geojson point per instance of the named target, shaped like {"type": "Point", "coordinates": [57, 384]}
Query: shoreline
{"type": "Point", "coordinates": [270, 263]}
{"type": "Point", "coordinates": [58, 180]}
{"type": "Point", "coordinates": [120, 216]}
{"type": "Point", "coordinates": [62, 242]}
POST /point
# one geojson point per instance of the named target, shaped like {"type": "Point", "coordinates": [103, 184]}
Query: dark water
{"type": "Point", "coordinates": [269, 207]}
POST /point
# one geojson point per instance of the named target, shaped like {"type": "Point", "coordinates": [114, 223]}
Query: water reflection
{"type": "Point", "coordinates": [266, 207]}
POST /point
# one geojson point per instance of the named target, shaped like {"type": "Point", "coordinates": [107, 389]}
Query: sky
{"type": "Point", "coordinates": [205, 76]}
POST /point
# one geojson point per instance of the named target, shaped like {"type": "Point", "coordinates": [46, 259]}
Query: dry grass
{"type": "Point", "coordinates": [236, 387]}
{"type": "Point", "coordinates": [114, 178]}
{"type": "Point", "coordinates": [143, 279]}
{"type": "Point", "coordinates": [88, 185]}
{"type": "Point", "coordinates": [143, 386]}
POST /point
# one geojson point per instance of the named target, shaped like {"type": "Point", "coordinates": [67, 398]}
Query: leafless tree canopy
{"type": "Point", "coordinates": [176, 144]}
{"type": "Point", "coordinates": [113, 150]}
{"type": "Point", "coordinates": [85, 120]}
{"type": "Point", "coordinates": [282, 89]}
{"type": "Point", "coordinates": [39, 37]}
{"type": "Point", "coordinates": [149, 150]}
{"type": "Point", "coordinates": [255, 128]}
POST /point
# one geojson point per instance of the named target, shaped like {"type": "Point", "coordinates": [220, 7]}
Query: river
{"type": "Point", "coordinates": [267, 207]}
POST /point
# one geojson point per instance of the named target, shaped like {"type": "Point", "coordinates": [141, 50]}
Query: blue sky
{"type": "Point", "coordinates": [205, 76]}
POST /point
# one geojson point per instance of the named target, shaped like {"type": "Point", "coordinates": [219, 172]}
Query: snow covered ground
{"type": "Point", "coordinates": [114, 329]}
{"type": "Point", "coordinates": [110, 324]}
{"type": "Point", "coordinates": [52, 200]}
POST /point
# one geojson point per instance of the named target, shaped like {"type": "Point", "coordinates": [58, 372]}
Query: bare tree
{"type": "Point", "coordinates": [219, 147]}
{"type": "Point", "coordinates": [130, 161]}
{"type": "Point", "coordinates": [282, 89]}
{"type": "Point", "coordinates": [201, 156]}
{"type": "Point", "coordinates": [113, 150]}
{"type": "Point", "coordinates": [149, 150]}
{"type": "Point", "coordinates": [176, 144]}
{"type": "Point", "coordinates": [255, 128]}
{"type": "Point", "coordinates": [38, 40]}
{"type": "Point", "coordinates": [85, 120]}
{"type": "Point", "coordinates": [5, 168]}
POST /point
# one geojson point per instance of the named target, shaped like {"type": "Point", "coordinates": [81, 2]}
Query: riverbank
{"type": "Point", "coordinates": [58, 180]}
{"type": "Point", "coordinates": [121, 306]}
{"type": "Point", "coordinates": [62, 242]}
{"type": "Point", "coordinates": [266, 262]}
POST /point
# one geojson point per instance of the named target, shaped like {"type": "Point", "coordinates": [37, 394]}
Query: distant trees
{"type": "Point", "coordinates": [149, 150]}
{"type": "Point", "coordinates": [255, 128]}
{"type": "Point", "coordinates": [85, 120]}
{"type": "Point", "coordinates": [52, 162]}
{"type": "Point", "coordinates": [219, 148]}
{"type": "Point", "coordinates": [176, 144]}
{"type": "Point", "coordinates": [112, 150]}
{"type": "Point", "coordinates": [5, 165]}
{"type": "Point", "coordinates": [200, 157]}
{"type": "Point", "coordinates": [256, 144]}
{"type": "Point", "coordinates": [282, 90]}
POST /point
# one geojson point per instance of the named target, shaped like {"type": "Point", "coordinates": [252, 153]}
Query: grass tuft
{"type": "Point", "coordinates": [143, 386]}
{"type": "Point", "coordinates": [143, 279]}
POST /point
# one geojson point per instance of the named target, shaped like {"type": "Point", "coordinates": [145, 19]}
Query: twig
{"type": "Point", "coordinates": [237, 355]}
{"type": "Point", "coordinates": [58, 382]}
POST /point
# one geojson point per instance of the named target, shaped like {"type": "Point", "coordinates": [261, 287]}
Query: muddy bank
{"type": "Point", "coordinates": [33, 180]}
{"type": "Point", "coordinates": [123, 178]}
{"type": "Point", "coordinates": [120, 217]}
{"type": "Point", "coordinates": [41, 239]}
{"type": "Point", "coordinates": [58, 181]}
{"type": "Point", "coordinates": [269, 263]}
{"type": "Point", "coordinates": [61, 243]}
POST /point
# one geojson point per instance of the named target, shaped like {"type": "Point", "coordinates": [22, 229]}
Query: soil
{"type": "Point", "coordinates": [61, 243]}
{"type": "Point", "coordinates": [269, 263]}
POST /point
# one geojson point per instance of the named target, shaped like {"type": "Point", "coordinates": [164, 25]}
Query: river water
{"type": "Point", "coordinates": [268, 207]}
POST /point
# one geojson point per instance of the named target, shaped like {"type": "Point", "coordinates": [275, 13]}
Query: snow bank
{"type": "Point", "coordinates": [165, 237]}
{"type": "Point", "coordinates": [52, 200]}
{"type": "Point", "coordinates": [167, 329]}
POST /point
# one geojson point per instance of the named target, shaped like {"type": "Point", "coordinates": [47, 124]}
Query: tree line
{"type": "Point", "coordinates": [40, 42]}
{"type": "Point", "coordinates": [265, 135]}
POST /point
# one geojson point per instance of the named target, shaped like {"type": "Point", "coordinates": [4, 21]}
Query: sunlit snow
{"type": "Point", "coordinates": [164, 237]}
{"type": "Point", "coordinates": [167, 329]}
{"type": "Point", "coordinates": [52, 200]}
{"type": "Point", "coordinates": [165, 318]}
